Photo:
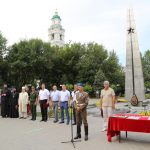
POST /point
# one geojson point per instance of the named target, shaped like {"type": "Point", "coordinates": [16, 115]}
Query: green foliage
{"type": "Point", "coordinates": [147, 96]}
{"type": "Point", "coordinates": [69, 87]}
{"type": "Point", "coordinates": [91, 62]}
{"type": "Point", "coordinates": [99, 80]}
{"type": "Point", "coordinates": [88, 88]}
{"type": "Point", "coordinates": [3, 49]}
{"type": "Point", "coordinates": [3, 63]}
{"type": "Point", "coordinates": [146, 68]}
{"type": "Point", "coordinates": [31, 60]}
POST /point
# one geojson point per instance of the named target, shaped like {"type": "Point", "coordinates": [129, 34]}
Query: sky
{"type": "Point", "coordinates": [101, 21]}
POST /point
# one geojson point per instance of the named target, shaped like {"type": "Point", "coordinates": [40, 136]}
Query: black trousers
{"type": "Point", "coordinates": [4, 108]}
{"type": "Point", "coordinates": [43, 105]}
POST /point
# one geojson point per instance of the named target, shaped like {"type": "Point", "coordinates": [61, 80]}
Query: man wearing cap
{"type": "Point", "coordinates": [80, 104]}
{"type": "Point", "coordinates": [107, 103]}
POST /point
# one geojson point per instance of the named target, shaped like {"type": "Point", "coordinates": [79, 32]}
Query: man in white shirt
{"type": "Point", "coordinates": [73, 95]}
{"type": "Point", "coordinates": [54, 96]}
{"type": "Point", "coordinates": [64, 101]}
{"type": "Point", "coordinates": [107, 103]}
{"type": "Point", "coordinates": [44, 101]}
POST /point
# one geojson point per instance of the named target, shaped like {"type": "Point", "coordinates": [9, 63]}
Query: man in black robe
{"type": "Point", "coordinates": [14, 104]}
{"type": "Point", "coordinates": [5, 101]}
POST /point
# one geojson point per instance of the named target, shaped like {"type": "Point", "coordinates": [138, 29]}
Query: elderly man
{"type": "Point", "coordinates": [54, 97]}
{"type": "Point", "coordinates": [23, 101]}
{"type": "Point", "coordinates": [64, 102]}
{"type": "Point", "coordinates": [81, 103]}
{"type": "Point", "coordinates": [107, 103]}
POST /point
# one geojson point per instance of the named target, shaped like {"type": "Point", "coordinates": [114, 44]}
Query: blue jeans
{"type": "Point", "coordinates": [64, 105]}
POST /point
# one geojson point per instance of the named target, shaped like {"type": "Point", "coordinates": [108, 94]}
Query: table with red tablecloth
{"type": "Point", "coordinates": [127, 123]}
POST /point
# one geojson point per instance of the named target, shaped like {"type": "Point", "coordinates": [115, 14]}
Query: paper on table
{"type": "Point", "coordinates": [134, 117]}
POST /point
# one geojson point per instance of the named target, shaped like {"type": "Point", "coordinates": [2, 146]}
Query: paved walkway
{"type": "Point", "coordinates": [16, 134]}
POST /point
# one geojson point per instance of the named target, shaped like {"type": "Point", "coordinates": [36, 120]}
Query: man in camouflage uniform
{"type": "Point", "coordinates": [80, 104]}
{"type": "Point", "coordinates": [33, 102]}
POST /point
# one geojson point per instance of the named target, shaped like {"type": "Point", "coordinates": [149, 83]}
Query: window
{"type": "Point", "coordinates": [52, 37]}
{"type": "Point", "coordinates": [60, 37]}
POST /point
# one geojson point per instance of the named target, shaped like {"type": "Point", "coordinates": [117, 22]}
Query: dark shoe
{"type": "Point", "coordinates": [77, 137]}
{"type": "Point", "coordinates": [21, 118]}
{"type": "Point", "coordinates": [61, 122]}
{"type": "Point", "coordinates": [78, 132]}
{"type": "Point", "coordinates": [55, 121]}
{"type": "Point", "coordinates": [86, 137]}
{"type": "Point", "coordinates": [74, 124]}
{"type": "Point", "coordinates": [31, 119]}
{"type": "Point", "coordinates": [45, 120]}
{"type": "Point", "coordinates": [67, 123]}
{"type": "Point", "coordinates": [41, 120]}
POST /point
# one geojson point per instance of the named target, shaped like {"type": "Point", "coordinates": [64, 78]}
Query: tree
{"type": "Point", "coordinates": [3, 48]}
{"type": "Point", "coordinates": [3, 63]}
{"type": "Point", "coordinates": [30, 60]}
{"type": "Point", "coordinates": [113, 71]}
{"type": "Point", "coordinates": [65, 68]}
{"type": "Point", "coordinates": [91, 62]}
{"type": "Point", "coordinates": [146, 68]}
{"type": "Point", "coordinates": [99, 80]}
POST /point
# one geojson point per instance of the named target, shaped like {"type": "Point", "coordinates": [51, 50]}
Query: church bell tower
{"type": "Point", "coordinates": [56, 32]}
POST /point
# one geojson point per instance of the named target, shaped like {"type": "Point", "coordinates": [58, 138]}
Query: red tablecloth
{"type": "Point", "coordinates": [132, 123]}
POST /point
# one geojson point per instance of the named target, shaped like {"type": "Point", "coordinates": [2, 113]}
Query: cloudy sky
{"type": "Point", "coordinates": [101, 21]}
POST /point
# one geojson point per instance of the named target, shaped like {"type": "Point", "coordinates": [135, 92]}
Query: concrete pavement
{"type": "Point", "coordinates": [16, 134]}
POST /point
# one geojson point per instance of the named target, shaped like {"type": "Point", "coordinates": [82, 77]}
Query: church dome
{"type": "Point", "coordinates": [56, 16]}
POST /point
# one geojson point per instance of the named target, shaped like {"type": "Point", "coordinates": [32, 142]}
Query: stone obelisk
{"type": "Point", "coordinates": [134, 82]}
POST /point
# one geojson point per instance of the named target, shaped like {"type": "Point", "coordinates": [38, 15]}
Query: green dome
{"type": "Point", "coordinates": [56, 16]}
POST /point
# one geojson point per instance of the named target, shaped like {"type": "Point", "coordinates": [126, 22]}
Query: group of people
{"type": "Point", "coordinates": [9, 102]}
{"type": "Point", "coordinates": [15, 104]}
